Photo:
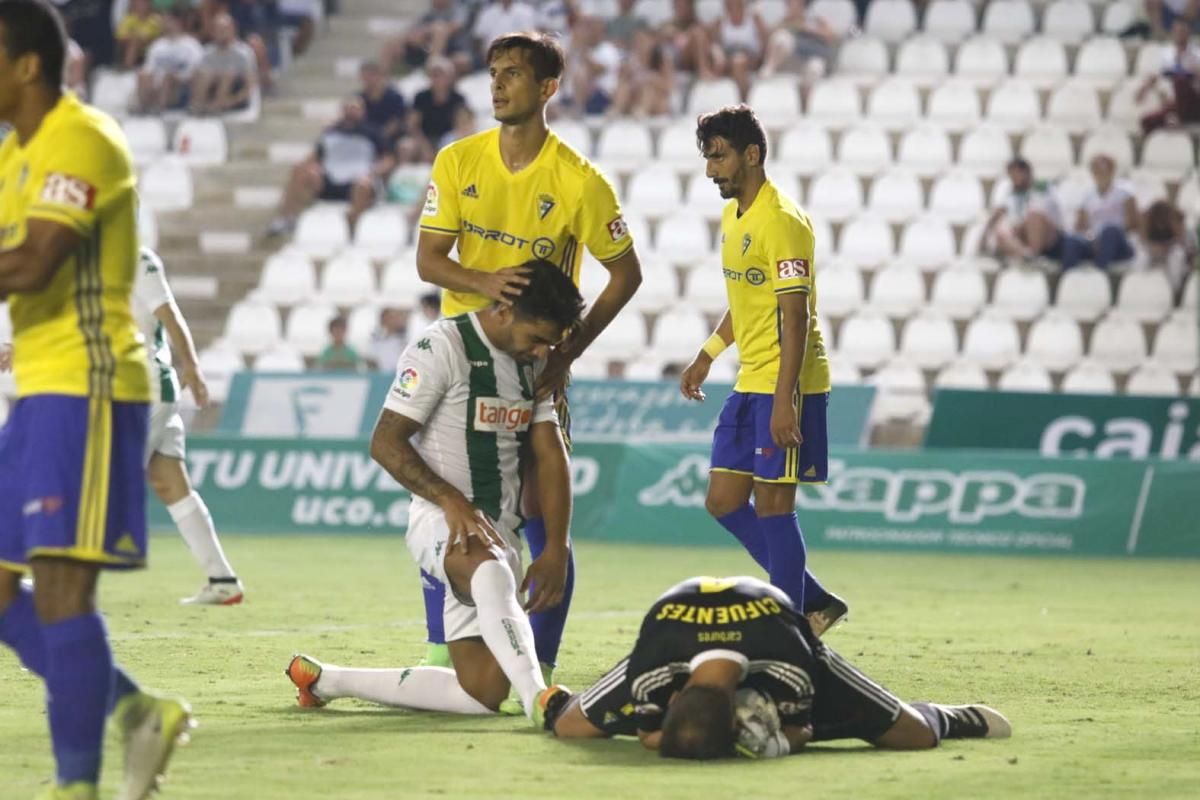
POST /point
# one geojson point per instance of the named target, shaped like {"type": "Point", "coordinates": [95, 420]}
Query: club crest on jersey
{"type": "Point", "coordinates": [545, 204]}
{"type": "Point", "coordinates": [745, 243]}
{"type": "Point", "coordinates": [502, 416]}
{"type": "Point", "coordinates": [791, 268]}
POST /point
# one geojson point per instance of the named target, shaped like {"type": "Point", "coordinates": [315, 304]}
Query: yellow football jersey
{"type": "Point", "coordinates": [766, 252]}
{"type": "Point", "coordinates": [503, 219]}
{"type": "Point", "coordinates": [77, 336]}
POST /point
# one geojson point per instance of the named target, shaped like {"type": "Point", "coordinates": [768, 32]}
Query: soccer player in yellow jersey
{"type": "Point", "coordinates": [771, 432]}
{"type": "Point", "coordinates": [505, 196]}
{"type": "Point", "coordinates": [72, 491]}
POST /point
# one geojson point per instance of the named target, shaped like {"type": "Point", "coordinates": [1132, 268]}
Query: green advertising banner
{"type": "Point", "coordinates": [345, 406]}
{"type": "Point", "coordinates": [1099, 426]}
{"type": "Point", "coordinates": [945, 501]}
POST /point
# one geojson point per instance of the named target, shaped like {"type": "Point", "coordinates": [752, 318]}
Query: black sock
{"type": "Point", "coordinates": [956, 722]}
{"type": "Point", "coordinates": [933, 718]}
{"type": "Point", "coordinates": [230, 579]}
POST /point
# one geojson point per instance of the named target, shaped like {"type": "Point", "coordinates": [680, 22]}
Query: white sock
{"type": "Point", "coordinates": [196, 527]}
{"type": "Point", "coordinates": [505, 629]}
{"type": "Point", "coordinates": [421, 688]}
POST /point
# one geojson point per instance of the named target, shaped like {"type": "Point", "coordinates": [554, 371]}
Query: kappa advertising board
{"type": "Point", "coordinates": [933, 501]}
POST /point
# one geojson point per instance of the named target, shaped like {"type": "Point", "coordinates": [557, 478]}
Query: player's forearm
{"type": "Point", "coordinates": [553, 487]}
{"type": "Point", "coordinates": [180, 337]}
{"type": "Point", "coordinates": [392, 450]}
{"type": "Point", "coordinates": [444, 271]}
{"type": "Point", "coordinates": [793, 341]}
{"type": "Point", "coordinates": [724, 332]}
{"type": "Point", "coordinates": [624, 278]}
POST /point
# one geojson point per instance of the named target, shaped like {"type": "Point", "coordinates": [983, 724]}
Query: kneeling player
{"type": "Point", "coordinates": [725, 665]}
{"type": "Point", "coordinates": [467, 387]}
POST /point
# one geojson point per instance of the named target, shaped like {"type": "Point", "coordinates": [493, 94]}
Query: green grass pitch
{"type": "Point", "coordinates": [1096, 662]}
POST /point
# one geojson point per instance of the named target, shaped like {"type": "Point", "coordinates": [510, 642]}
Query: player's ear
{"type": "Point", "coordinates": [753, 155]}
{"type": "Point", "coordinates": [28, 67]}
{"type": "Point", "coordinates": [549, 89]}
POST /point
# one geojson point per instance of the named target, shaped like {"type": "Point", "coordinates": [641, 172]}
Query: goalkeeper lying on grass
{"type": "Point", "coordinates": [726, 666]}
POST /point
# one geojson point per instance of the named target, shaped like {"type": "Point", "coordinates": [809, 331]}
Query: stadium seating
{"type": "Point", "coordinates": [288, 277]}
{"type": "Point", "coordinates": [866, 241]}
{"type": "Point", "coordinates": [1009, 21]}
{"type": "Point", "coordinates": [957, 197]}
{"type": "Point", "coordinates": [380, 232]}
{"type": "Point", "coordinates": [927, 242]}
{"type": "Point", "coordinates": [1054, 341]}
{"type": "Point", "coordinates": [322, 231]}
{"type": "Point", "coordinates": [1025, 376]}
{"type": "Point", "coordinates": [166, 185]}
{"type": "Point", "coordinates": [840, 14]}
{"type": "Point", "coordinates": [626, 144]}
{"type": "Point", "coordinates": [1041, 62]}
{"type": "Point", "coordinates": [252, 327]}
{"type": "Point", "coordinates": [147, 138]}
{"type": "Point", "coordinates": [925, 149]}
{"type": "Point", "coordinates": [776, 101]}
{"type": "Point", "coordinates": [201, 142]}
{"type": "Point", "coordinates": [1068, 21]}
{"type": "Point", "coordinates": [1021, 294]}
{"type": "Point", "coordinates": [954, 106]}
{"type": "Point", "coordinates": [929, 340]}
{"type": "Point", "coordinates": [840, 290]}
{"type": "Point", "coordinates": [348, 279]}
{"type": "Point", "coordinates": [991, 341]}
{"type": "Point", "coordinates": [805, 148]}
{"type": "Point", "coordinates": [867, 339]}
{"type": "Point", "coordinates": [308, 327]}
{"type": "Point", "coordinates": [896, 195]}
{"type": "Point", "coordinates": [281, 359]}
{"type": "Point", "coordinates": [891, 20]}
{"type": "Point", "coordinates": [923, 60]}
{"type": "Point", "coordinates": [897, 290]}
{"type": "Point", "coordinates": [1152, 379]}
{"type": "Point", "coordinates": [836, 194]}
{"type": "Point", "coordinates": [1102, 61]}
{"type": "Point", "coordinates": [950, 21]}
{"type": "Point", "coordinates": [1118, 342]}
{"type": "Point", "coordinates": [678, 334]}
{"type": "Point", "coordinates": [959, 293]}
{"type": "Point", "coordinates": [901, 393]}
{"type": "Point", "coordinates": [895, 104]}
{"type": "Point", "coordinates": [961, 374]}
{"type": "Point", "coordinates": [1084, 293]}
{"type": "Point", "coordinates": [1168, 154]}
{"type": "Point", "coordinates": [834, 103]}
{"type": "Point", "coordinates": [865, 149]}
{"type": "Point", "coordinates": [1175, 343]}
{"type": "Point", "coordinates": [1088, 377]}
{"type": "Point", "coordinates": [1074, 107]}
{"type": "Point", "coordinates": [1146, 296]}
{"type": "Point", "coordinates": [981, 60]}
{"type": "Point", "coordinates": [984, 150]}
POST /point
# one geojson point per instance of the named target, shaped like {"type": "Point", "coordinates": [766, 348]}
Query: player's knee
{"type": "Point", "coordinates": [719, 504]}
{"type": "Point", "coordinates": [487, 685]}
{"type": "Point", "coordinates": [573, 724]}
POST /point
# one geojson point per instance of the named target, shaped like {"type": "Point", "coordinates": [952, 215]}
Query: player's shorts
{"type": "Point", "coordinates": [166, 436]}
{"type": "Point", "coordinates": [72, 481]}
{"type": "Point", "coordinates": [847, 704]}
{"type": "Point", "coordinates": [742, 442]}
{"type": "Point", "coordinates": [607, 703]}
{"type": "Point", "coordinates": [427, 539]}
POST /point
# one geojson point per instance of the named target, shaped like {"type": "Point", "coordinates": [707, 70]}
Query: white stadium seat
{"type": "Point", "coordinates": [929, 340]}
{"type": "Point", "coordinates": [1055, 342]}
{"type": "Point", "coordinates": [280, 359]}
{"type": "Point", "coordinates": [927, 242]}
{"type": "Point", "coordinates": [1025, 376]}
{"type": "Point", "coordinates": [1194, 386]}
{"type": "Point", "coordinates": [252, 327]}
{"type": "Point", "coordinates": [981, 60]}
{"type": "Point", "coordinates": [843, 373]}
{"type": "Point", "coordinates": [866, 241]}
{"type": "Point", "coordinates": [950, 21]}
{"type": "Point", "coordinates": [805, 148]}
{"type": "Point", "coordinates": [1152, 379]}
{"type": "Point", "coordinates": [840, 290]}
{"type": "Point", "coordinates": [1123, 110]}
{"type": "Point", "coordinates": [898, 290]}
{"type": "Point", "coordinates": [707, 95]}
{"type": "Point", "coordinates": [677, 146]}
{"type": "Point", "coordinates": [626, 143]}
{"type": "Point", "coordinates": [1069, 21]}
{"type": "Point", "coordinates": [348, 279]}
{"type": "Point", "coordinates": [1013, 106]}
{"type": "Point", "coordinates": [1089, 378]}
{"type": "Point", "coordinates": [707, 292]}
{"type": "Point", "coordinates": [655, 191]}
{"type": "Point", "coordinates": [862, 60]}
{"type": "Point", "coordinates": [991, 341]}
{"type": "Point", "coordinates": [683, 239]}
{"type": "Point", "coordinates": [925, 150]}
{"type": "Point", "coordinates": [896, 195]}
{"type": "Point", "coordinates": [1041, 61]}
{"type": "Point", "coordinates": [776, 101]}
{"type": "Point", "coordinates": [955, 106]}
{"type": "Point", "coordinates": [288, 277]}
{"type": "Point", "coordinates": [703, 198]}
{"type": "Point", "coordinates": [147, 225]}
{"type": "Point", "coordinates": [1102, 61]}
{"type": "Point", "coordinates": [961, 374]}
{"type": "Point", "coordinates": [1010, 21]}
{"type": "Point", "coordinates": [1048, 150]}
{"type": "Point", "coordinates": [709, 11]}
{"type": "Point", "coordinates": [401, 285]}
{"type": "Point", "coordinates": [579, 136]}
{"type": "Point", "coordinates": [1191, 289]}
{"type": "Point", "coordinates": [360, 326]}
{"type": "Point", "coordinates": [678, 334]}
{"type": "Point", "coordinates": [1119, 15]}
{"type": "Point", "coordinates": [864, 149]}
{"type": "Point", "coordinates": [1145, 295]}
{"type": "Point", "coordinates": [1074, 106]}
{"type": "Point", "coordinates": [658, 291]}
{"type": "Point", "coordinates": [219, 361]}
{"type": "Point", "coordinates": [647, 367]}
{"type": "Point", "coordinates": [1118, 342]}
{"type": "Point", "coordinates": [957, 196]}
{"type": "Point", "coordinates": [1168, 154]}
{"type": "Point", "coordinates": [900, 393]}
{"type": "Point", "coordinates": [308, 327]}
{"type": "Point", "coordinates": [381, 232]}
{"type": "Point", "coordinates": [840, 14]}
{"type": "Point", "coordinates": [655, 12]}
{"type": "Point", "coordinates": [891, 20]}
{"type": "Point", "coordinates": [114, 92]}
{"type": "Point", "coordinates": [771, 11]}
{"type": "Point", "coordinates": [823, 234]}
{"type": "Point", "coordinates": [894, 104]}
{"type": "Point", "coordinates": [866, 339]}
{"type": "Point", "coordinates": [147, 138]}
{"type": "Point", "coordinates": [1175, 344]}
{"type": "Point", "coordinates": [1148, 188]}
{"type": "Point", "coordinates": [1111, 141]}
{"type": "Point", "coordinates": [1070, 190]}
{"type": "Point", "coordinates": [985, 151]}
{"type": "Point", "coordinates": [958, 293]}
{"type": "Point", "coordinates": [1021, 294]}
{"type": "Point", "coordinates": [166, 185]}
{"type": "Point", "coordinates": [1148, 60]}
{"type": "Point", "coordinates": [835, 194]}
{"type": "Point", "coordinates": [322, 231]}
{"type": "Point", "coordinates": [1084, 293]}
{"type": "Point", "coordinates": [201, 142]}
{"type": "Point", "coordinates": [923, 60]}
{"type": "Point", "coordinates": [1188, 198]}
{"type": "Point", "coordinates": [834, 103]}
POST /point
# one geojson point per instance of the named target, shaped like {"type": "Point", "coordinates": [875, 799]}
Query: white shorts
{"type": "Point", "coordinates": [426, 539]}
{"type": "Point", "coordinates": [166, 434]}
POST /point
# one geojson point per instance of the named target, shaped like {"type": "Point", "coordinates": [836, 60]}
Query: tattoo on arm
{"type": "Point", "coordinates": [392, 449]}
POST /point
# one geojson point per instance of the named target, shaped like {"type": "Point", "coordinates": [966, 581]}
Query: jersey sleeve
{"type": "Point", "coordinates": [441, 213]}
{"type": "Point", "coordinates": [423, 376]}
{"type": "Point", "coordinates": [151, 287]}
{"type": "Point", "coordinates": [602, 228]}
{"type": "Point", "coordinates": [790, 247]}
{"type": "Point", "coordinates": [80, 174]}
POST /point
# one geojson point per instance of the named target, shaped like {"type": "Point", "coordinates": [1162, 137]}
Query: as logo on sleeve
{"type": "Point", "coordinates": [431, 200]}
{"type": "Point", "coordinates": [67, 190]}
{"type": "Point", "coordinates": [791, 268]}
{"type": "Point", "coordinates": [617, 229]}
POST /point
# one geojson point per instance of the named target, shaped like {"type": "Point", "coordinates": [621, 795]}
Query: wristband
{"type": "Point", "coordinates": [714, 346]}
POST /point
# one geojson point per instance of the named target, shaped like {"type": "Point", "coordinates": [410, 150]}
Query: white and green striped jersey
{"type": "Point", "coordinates": [476, 406]}
{"type": "Point", "coordinates": [151, 292]}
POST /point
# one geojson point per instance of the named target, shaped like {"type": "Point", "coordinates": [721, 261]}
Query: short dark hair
{"type": "Point", "coordinates": [737, 125]}
{"type": "Point", "coordinates": [549, 295]}
{"type": "Point", "coordinates": [699, 725]}
{"type": "Point", "coordinates": [34, 26]}
{"type": "Point", "coordinates": [1020, 163]}
{"type": "Point", "coordinates": [339, 321]}
{"type": "Point", "coordinates": [542, 50]}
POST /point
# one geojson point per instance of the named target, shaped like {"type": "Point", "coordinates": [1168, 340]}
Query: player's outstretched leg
{"type": "Point", "coordinates": [421, 688]}
{"type": "Point", "coordinates": [436, 652]}
{"type": "Point", "coordinates": [964, 722]}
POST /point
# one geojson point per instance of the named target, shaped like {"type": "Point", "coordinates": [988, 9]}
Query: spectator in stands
{"type": "Point", "coordinates": [168, 68]}
{"type": "Point", "coordinates": [338, 355]}
{"type": "Point", "coordinates": [137, 31]}
{"type": "Point", "coordinates": [440, 32]}
{"type": "Point", "coordinates": [1103, 223]}
{"type": "Point", "coordinates": [687, 41]}
{"type": "Point", "coordinates": [90, 25]}
{"type": "Point", "coordinates": [647, 79]}
{"type": "Point", "coordinates": [464, 126]}
{"type": "Point", "coordinates": [227, 76]}
{"type": "Point", "coordinates": [390, 339]}
{"type": "Point", "coordinates": [300, 16]}
{"type": "Point", "coordinates": [1029, 222]}
{"type": "Point", "coordinates": [75, 71]}
{"type": "Point", "coordinates": [624, 24]}
{"type": "Point", "coordinates": [432, 115]}
{"type": "Point", "coordinates": [594, 69]}
{"type": "Point", "coordinates": [739, 38]}
{"type": "Point", "coordinates": [257, 20]}
{"type": "Point", "coordinates": [498, 18]}
{"type": "Point", "coordinates": [802, 43]}
{"type": "Point", "coordinates": [1167, 241]}
{"type": "Point", "coordinates": [385, 107]}
{"type": "Point", "coordinates": [1163, 14]}
{"type": "Point", "coordinates": [1181, 69]}
{"type": "Point", "coordinates": [429, 311]}
{"type": "Point", "coordinates": [558, 17]}
{"type": "Point", "coordinates": [409, 179]}
{"type": "Point", "coordinates": [347, 162]}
